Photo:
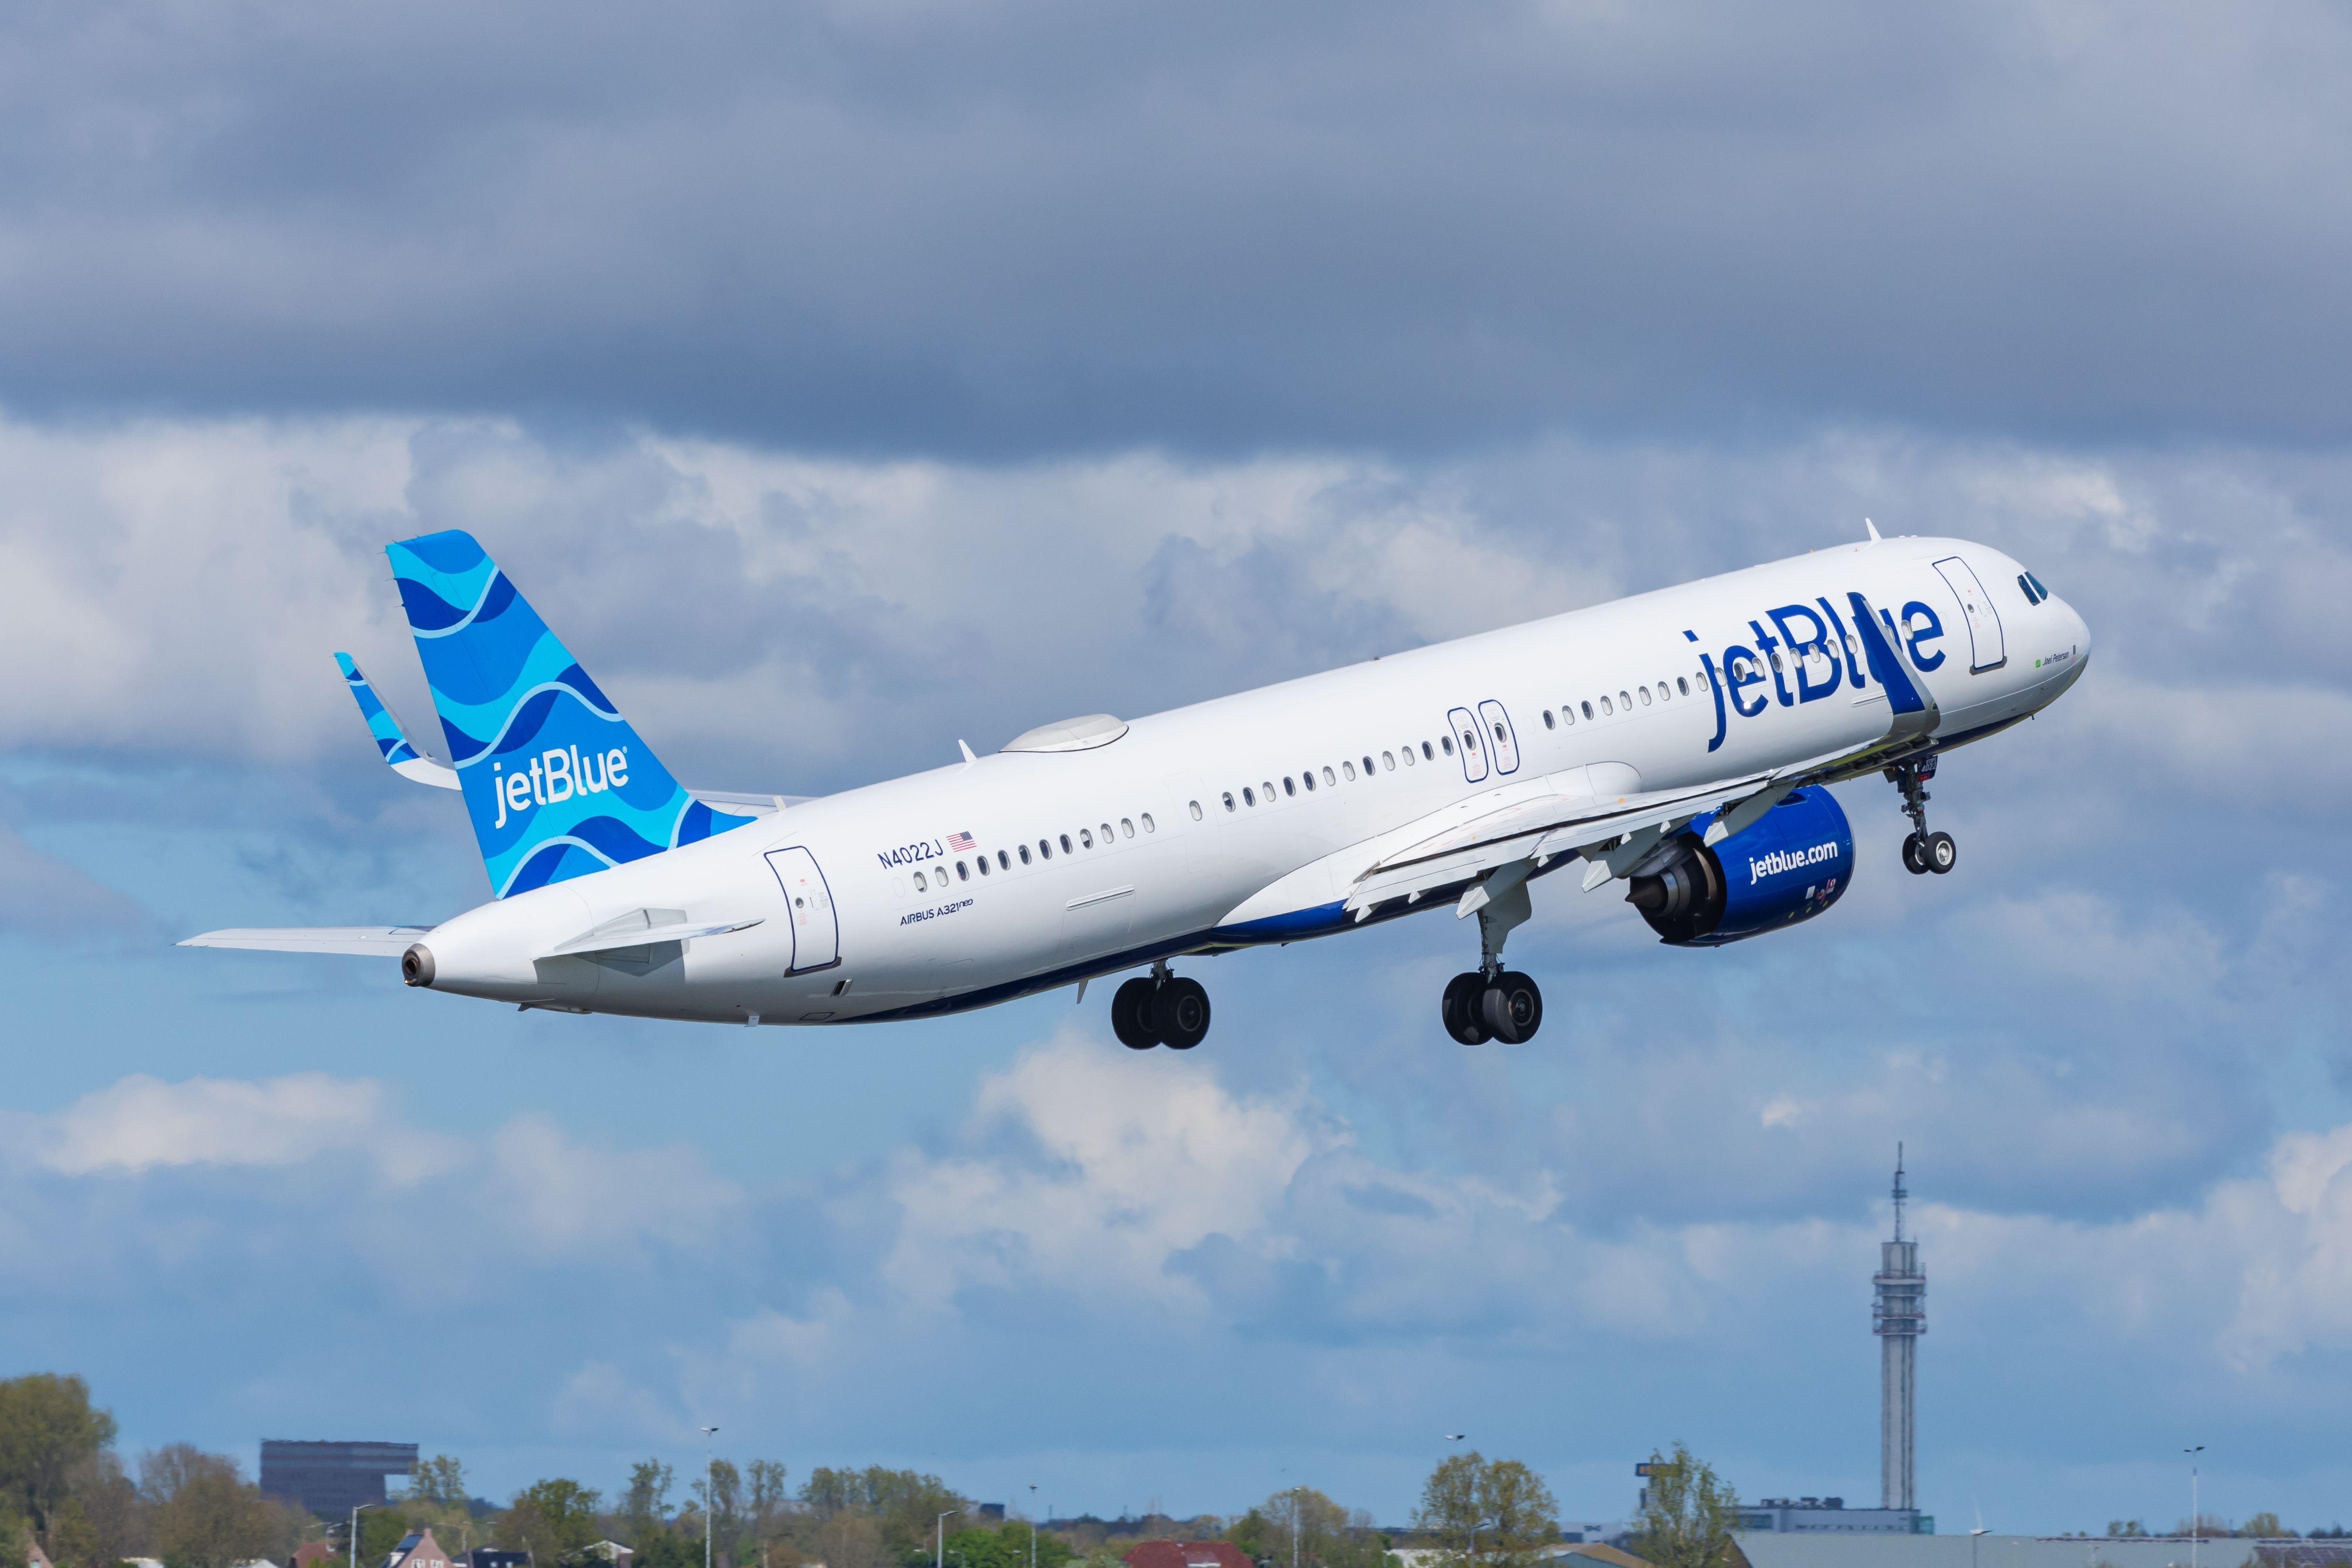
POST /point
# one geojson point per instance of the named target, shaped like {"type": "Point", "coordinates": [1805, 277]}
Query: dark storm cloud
{"type": "Point", "coordinates": [1032, 228]}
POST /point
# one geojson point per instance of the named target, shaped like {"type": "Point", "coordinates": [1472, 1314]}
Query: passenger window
{"type": "Point", "coordinates": [1086, 839]}
{"type": "Point", "coordinates": [1368, 767]}
{"type": "Point", "coordinates": [1127, 828]}
{"type": "Point", "coordinates": [1499, 735]}
{"type": "Point", "coordinates": [1045, 848]}
{"type": "Point", "coordinates": [1196, 816]}
{"type": "Point", "coordinates": [1065, 844]}
{"type": "Point", "coordinates": [1444, 741]}
{"type": "Point", "coordinates": [1289, 787]}
{"type": "Point", "coordinates": [1568, 713]}
{"type": "Point", "coordinates": [1588, 709]}
{"type": "Point", "coordinates": [1605, 709]}
{"type": "Point", "coordinates": [1470, 741]}
{"type": "Point", "coordinates": [1682, 681]}
{"type": "Point", "coordinates": [1329, 777]}
{"type": "Point", "coordinates": [964, 872]}
{"type": "Point", "coordinates": [1004, 862]}
{"type": "Point", "coordinates": [1106, 835]}
{"type": "Point", "coordinates": [1645, 697]}
{"type": "Point", "coordinates": [1388, 761]}
{"type": "Point", "coordinates": [1024, 853]}
{"type": "Point", "coordinates": [1549, 722]}
{"type": "Point", "coordinates": [1307, 778]}
{"type": "Point", "coordinates": [983, 864]}
{"type": "Point", "coordinates": [1229, 800]}
{"type": "Point", "coordinates": [1146, 818]}
{"type": "Point", "coordinates": [920, 884]}
{"type": "Point", "coordinates": [1267, 789]}
{"type": "Point", "coordinates": [1249, 796]}
{"type": "Point", "coordinates": [1429, 756]}
{"type": "Point", "coordinates": [1625, 703]}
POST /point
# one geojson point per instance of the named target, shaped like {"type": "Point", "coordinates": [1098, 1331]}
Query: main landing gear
{"type": "Point", "coordinates": [1490, 1002]}
{"type": "Point", "coordinates": [1923, 851]}
{"type": "Point", "coordinates": [1159, 1009]}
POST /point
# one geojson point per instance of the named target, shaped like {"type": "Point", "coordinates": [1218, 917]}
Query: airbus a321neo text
{"type": "Point", "coordinates": [1676, 742]}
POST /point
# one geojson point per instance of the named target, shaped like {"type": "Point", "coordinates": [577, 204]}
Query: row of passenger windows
{"type": "Point", "coordinates": [1625, 700]}
{"type": "Point", "coordinates": [1102, 835]}
{"type": "Point", "coordinates": [1330, 777]}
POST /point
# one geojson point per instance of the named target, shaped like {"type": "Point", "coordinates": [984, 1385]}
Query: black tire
{"type": "Point", "coordinates": [1459, 1009]}
{"type": "Point", "coordinates": [1131, 1014]}
{"type": "Point", "coordinates": [1180, 1014]}
{"type": "Point", "coordinates": [1512, 1007]}
{"type": "Point", "coordinates": [1940, 853]}
{"type": "Point", "coordinates": [1912, 861]}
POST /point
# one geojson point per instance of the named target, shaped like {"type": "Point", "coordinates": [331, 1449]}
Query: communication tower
{"type": "Point", "coordinates": [1898, 1316]}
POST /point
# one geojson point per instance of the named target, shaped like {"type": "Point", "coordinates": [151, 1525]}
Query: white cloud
{"type": "Point", "coordinates": [141, 1122]}
{"type": "Point", "coordinates": [558, 1196]}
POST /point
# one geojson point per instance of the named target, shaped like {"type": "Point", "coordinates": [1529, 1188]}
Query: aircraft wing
{"type": "Point", "coordinates": [362, 941]}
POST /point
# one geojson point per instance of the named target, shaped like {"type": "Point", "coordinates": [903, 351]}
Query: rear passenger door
{"type": "Point", "coordinates": [1500, 736]}
{"type": "Point", "coordinates": [1473, 751]}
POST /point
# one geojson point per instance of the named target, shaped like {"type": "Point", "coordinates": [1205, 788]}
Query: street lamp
{"type": "Point", "coordinates": [1974, 1535]}
{"type": "Point", "coordinates": [2192, 1454]}
{"type": "Point", "coordinates": [709, 1489]}
{"type": "Point", "coordinates": [355, 1531]}
{"type": "Point", "coordinates": [941, 1524]}
{"type": "Point", "coordinates": [1457, 1438]}
{"type": "Point", "coordinates": [1032, 1524]}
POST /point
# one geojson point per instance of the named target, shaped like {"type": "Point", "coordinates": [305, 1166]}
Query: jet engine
{"type": "Point", "coordinates": [1788, 866]}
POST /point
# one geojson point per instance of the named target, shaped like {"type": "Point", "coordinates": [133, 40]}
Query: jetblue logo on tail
{"type": "Point", "coordinates": [556, 776]}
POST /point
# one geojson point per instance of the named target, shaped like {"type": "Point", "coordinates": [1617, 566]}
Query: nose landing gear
{"type": "Point", "coordinates": [1159, 1009]}
{"type": "Point", "coordinates": [1923, 851]}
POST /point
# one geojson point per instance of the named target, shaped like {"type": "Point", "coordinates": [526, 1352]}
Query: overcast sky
{"type": "Point", "coordinates": [844, 381]}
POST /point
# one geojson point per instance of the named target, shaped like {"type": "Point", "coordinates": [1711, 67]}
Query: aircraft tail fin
{"type": "Point", "coordinates": [557, 782]}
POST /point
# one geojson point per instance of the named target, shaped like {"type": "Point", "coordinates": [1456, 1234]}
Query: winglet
{"type": "Point", "coordinates": [1874, 530]}
{"type": "Point", "coordinates": [399, 752]}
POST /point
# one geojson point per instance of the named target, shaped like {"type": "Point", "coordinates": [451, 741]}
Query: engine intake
{"type": "Point", "coordinates": [1782, 869]}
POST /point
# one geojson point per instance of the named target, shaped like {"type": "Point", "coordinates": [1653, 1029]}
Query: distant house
{"type": "Point", "coordinates": [311, 1554]}
{"type": "Point", "coordinates": [492, 1557]}
{"type": "Point", "coordinates": [612, 1552]}
{"type": "Point", "coordinates": [417, 1549]}
{"type": "Point", "coordinates": [39, 1558]}
{"type": "Point", "coordinates": [1188, 1554]}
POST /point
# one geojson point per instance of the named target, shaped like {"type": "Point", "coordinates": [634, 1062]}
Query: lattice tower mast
{"type": "Point", "coordinates": [1898, 1316]}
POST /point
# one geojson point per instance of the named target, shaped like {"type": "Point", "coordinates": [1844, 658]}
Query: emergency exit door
{"type": "Point", "coordinates": [817, 934]}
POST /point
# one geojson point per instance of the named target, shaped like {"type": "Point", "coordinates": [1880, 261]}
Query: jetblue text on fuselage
{"type": "Point", "coordinates": [558, 774]}
{"type": "Point", "coordinates": [1822, 655]}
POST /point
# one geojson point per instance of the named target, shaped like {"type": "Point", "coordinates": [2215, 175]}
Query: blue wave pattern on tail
{"type": "Point", "coordinates": [558, 784]}
{"type": "Point", "coordinates": [380, 723]}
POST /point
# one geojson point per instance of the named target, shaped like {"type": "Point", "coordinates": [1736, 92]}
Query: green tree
{"type": "Point", "coordinates": [439, 1479]}
{"type": "Point", "coordinates": [551, 1520]}
{"type": "Point", "coordinates": [1687, 1514]}
{"type": "Point", "coordinates": [205, 1514]}
{"type": "Point", "coordinates": [2264, 1526]}
{"type": "Point", "coordinates": [645, 1505]}
{"type": "Point", "coordinates": [1005, 1546]}
{"type": "Point", "coordinates": [1494, 1512]}
{"type": "Point", "coordinates": [902, 1504]}
{"type": "Point", "coordinates": [48, 1429]}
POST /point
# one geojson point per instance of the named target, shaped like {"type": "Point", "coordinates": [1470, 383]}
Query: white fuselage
{"type": "Point", "coordinates": [1199, 828]}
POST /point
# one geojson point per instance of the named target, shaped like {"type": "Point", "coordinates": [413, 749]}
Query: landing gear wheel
{"type": "Point", "coordinates": [1464, 1018]}
{"type": "Point", "coordinates": [1940, 853]}
{"type": "Point", "coordinates": [1131, 1014]}
{"type": "Point", "coordinates": [1180, 1014]}
{"type": "Point", "coordinates": [1511, 1007]}
{"type": "Point", "coordinates": [1912, 861]}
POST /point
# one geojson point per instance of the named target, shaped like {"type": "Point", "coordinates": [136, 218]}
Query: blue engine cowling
{"type": "Point", "coordinates": [1788, 865]}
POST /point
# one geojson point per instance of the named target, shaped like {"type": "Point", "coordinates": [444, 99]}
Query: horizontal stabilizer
{"type": "Point", "coordinates": [362, 941]}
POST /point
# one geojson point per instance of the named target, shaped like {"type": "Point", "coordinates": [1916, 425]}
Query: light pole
{"type": "Point", "coordinates": [1974, 1536]}
{"type": "Point", "coordinates": [941, 1561]}
{"type": "Point", "coordinates": [709, 1491]}
{"type": "Point", "coordinates": [2192, 1454]}
{"type": "Point", "coordinates": [1457, 1438]}
{"type": "Point", "coordinates": [355, 1531]}
{"type": "Point", "coordinates": [1032, 1524]}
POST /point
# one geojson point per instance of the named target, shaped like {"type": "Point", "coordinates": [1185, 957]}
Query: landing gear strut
{"type": "Point", "coordinates": [1490, 1002]}
{"type": "Point", "coordinates": [1923, 851]}
{"type": "Point", "coordinates": [1159, 1009]}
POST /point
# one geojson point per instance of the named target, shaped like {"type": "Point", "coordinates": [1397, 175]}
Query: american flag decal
{"type": "Point", "coordinates": [960, 841]}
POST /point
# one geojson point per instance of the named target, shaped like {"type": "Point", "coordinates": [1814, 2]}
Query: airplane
{"type": "Point", "coordinates": [1678, 743]}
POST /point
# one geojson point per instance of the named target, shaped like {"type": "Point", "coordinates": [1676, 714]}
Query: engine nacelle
{"type": "Point", "coordinates": [1788, 865]}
